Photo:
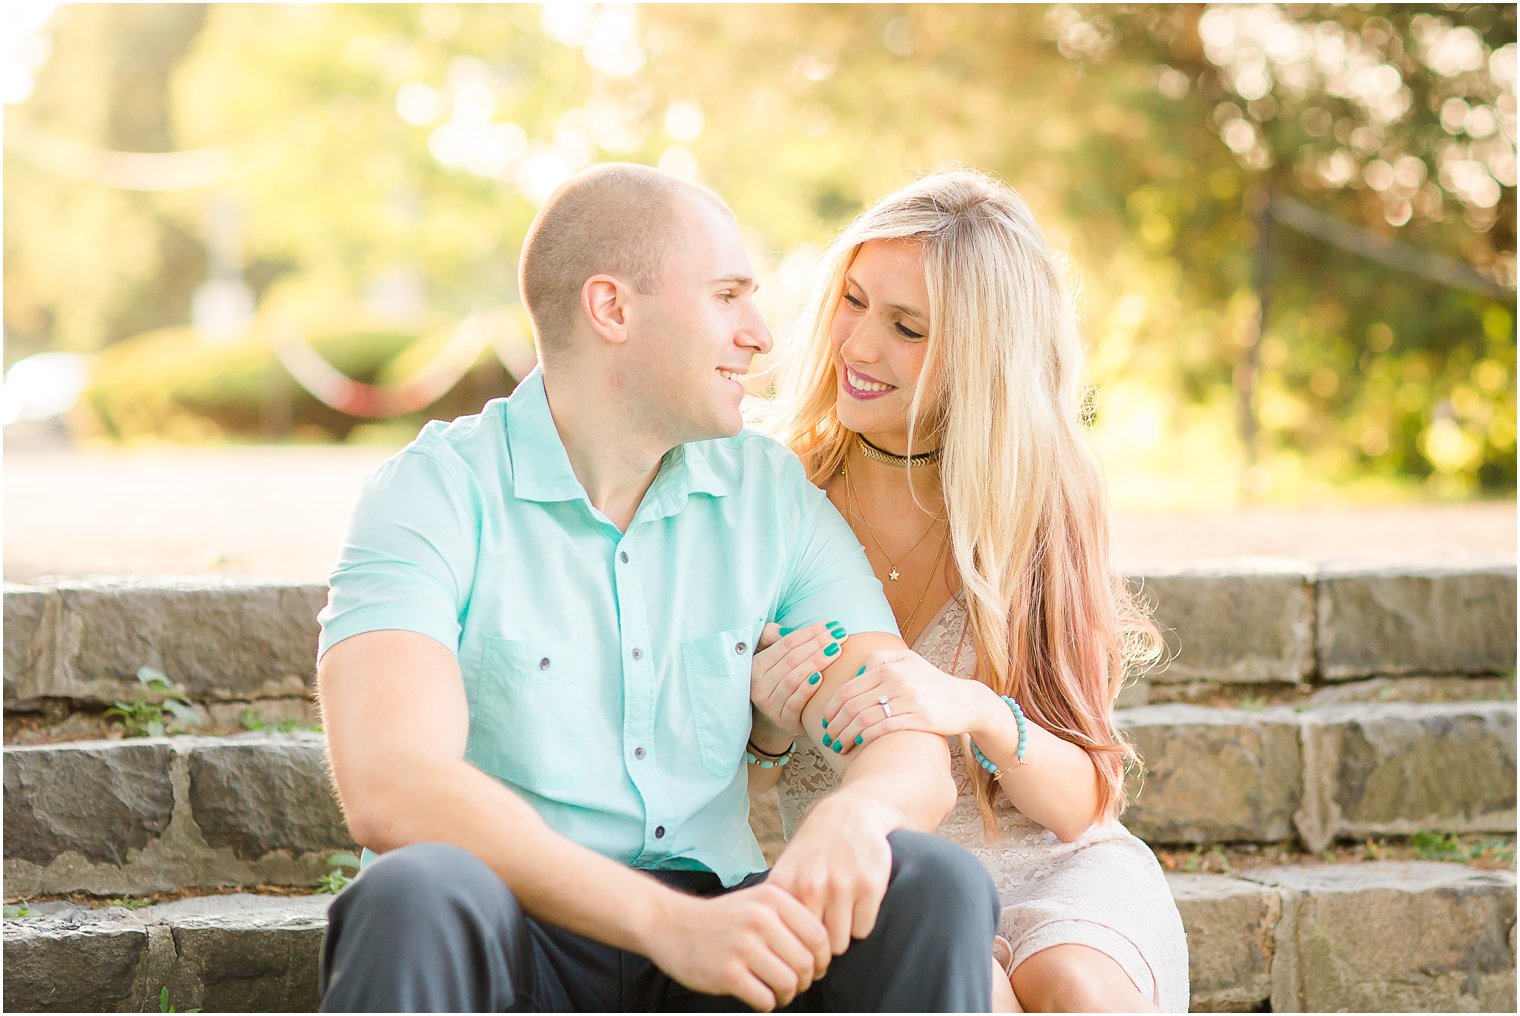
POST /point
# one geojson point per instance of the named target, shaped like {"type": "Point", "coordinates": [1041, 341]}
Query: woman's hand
{"type": "Point", "coordinates": [921, 697]}
{"type": "Point", "coordinates": [787, 669]}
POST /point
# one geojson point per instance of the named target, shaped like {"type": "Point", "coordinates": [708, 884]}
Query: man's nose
{"type": "Point", "coordinates": [754, 333]}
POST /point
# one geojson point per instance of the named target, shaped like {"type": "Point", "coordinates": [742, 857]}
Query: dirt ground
{"type": "Point", "coordinates": [281, 512]}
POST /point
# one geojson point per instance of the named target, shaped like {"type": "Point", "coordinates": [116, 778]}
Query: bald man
{"type": "Point", "coordinates": [534, 675]}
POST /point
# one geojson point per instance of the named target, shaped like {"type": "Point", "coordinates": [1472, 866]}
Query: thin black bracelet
{"type": "Point", "coordinates": [770, 755]}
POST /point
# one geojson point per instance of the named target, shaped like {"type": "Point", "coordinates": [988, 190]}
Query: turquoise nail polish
{"type": "Point", "coordinates": [838, 633]}
{"type": "Point", "coordinates": [838, 746]}
{"type": "Point", "coordinates": [832, 649]}
{"type": "Point", "coordinates": [787, 631]}
{"type": "Point", "coordinates": [859, 739]}
{"type": "Point", "coordinates": [825, 724]}
{"type": "Point", "coordinates": [815, 678]}
{"type": "Point", "coordinates": [833, 624]}
{"type": "Point", "coordinates": [862, 670]}
{"type": "Point", "coordinates": [827, 741]}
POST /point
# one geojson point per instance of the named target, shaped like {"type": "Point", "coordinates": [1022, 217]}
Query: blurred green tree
{"type": "Point", "coordinates": [1192, 159]}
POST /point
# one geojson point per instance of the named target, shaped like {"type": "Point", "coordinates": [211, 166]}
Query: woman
{"type": "Point", "coordinates": [938, 398]}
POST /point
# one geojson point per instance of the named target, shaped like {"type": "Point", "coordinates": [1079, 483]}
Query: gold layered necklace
{"type": "Point", "coordinates": [852, 504]}
{"type": "Point", "coordinates": [944, 541]}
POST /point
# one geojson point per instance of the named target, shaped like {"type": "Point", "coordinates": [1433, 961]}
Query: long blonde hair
{"type": "Point", "coordinates": [1053, 623]}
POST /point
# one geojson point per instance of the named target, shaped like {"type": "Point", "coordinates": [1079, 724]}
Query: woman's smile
{"type": "Point", "coordinates": [863, 386]}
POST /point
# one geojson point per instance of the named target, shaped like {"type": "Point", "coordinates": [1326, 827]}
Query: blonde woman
{"type": "Point", "coordinates": [937, 396]}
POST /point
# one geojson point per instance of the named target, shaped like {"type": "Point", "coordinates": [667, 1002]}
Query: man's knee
{"type": "Point", "coordinates": [426, 878]}
{"type": "Point", "coordinates": [936, 877]}
{"type": "Point", "coordinates": [425, 928]}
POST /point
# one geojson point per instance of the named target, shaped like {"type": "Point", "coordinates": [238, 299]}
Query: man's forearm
{"type": "Point", "coordinates": [909, 773]}
{"type": "Point", "coordinates": [553, 878]}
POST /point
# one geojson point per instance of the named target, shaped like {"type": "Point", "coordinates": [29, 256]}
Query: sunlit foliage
{"type": "Point", "coordinates": [396, 153]}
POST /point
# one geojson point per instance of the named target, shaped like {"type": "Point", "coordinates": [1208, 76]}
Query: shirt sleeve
{"type": "Point", "coordinates": [409, 558]}
{"type": "Point", "coordinates": [830, 578]}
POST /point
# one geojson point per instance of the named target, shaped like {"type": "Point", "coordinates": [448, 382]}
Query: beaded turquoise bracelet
{"type": "Point", "coordinates": [1018, 715]}
{"type": "Point", "coordinates": [765, 760]}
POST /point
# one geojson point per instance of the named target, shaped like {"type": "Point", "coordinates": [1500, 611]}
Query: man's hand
{"type": "Point", "coordinates": [759, 945]}
{"type": "Point", "coordinates": [838, 865]}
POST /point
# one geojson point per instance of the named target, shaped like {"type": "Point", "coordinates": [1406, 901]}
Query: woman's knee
{"type": "Point", "coordinates": [1073, 978]}
{"type": "Point", "coordinates": [942, 877]}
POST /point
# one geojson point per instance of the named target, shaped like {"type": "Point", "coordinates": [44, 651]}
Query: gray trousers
{"type": "Point", "coordinates": [430, 928]}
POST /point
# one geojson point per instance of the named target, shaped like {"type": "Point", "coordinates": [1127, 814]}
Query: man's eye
{"type": "Point", "coordinates": [726, 296]}
{"type": "Point", "coordinates": [853, 302]}
{"type": "Point", "coordinates": [907, 332]}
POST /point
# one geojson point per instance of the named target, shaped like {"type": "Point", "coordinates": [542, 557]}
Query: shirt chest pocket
{"type": "Point", "coordinates": [717, 672]}
{"type": "Point", "coordinates": [524, 698]}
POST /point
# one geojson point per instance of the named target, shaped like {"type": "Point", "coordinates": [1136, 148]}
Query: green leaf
{"type": "Point", "coordinates": [153, 678]}
{"type": "Point", "coordinates": [155, 728]}
{"type": "Point", "coordinates": [185, 714]}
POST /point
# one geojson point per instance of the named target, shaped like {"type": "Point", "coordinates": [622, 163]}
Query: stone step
{"type": "Point", "coordinates": [1427, 937]}
{"type": "Point", "coordinates": [238, 953]}
{"type": "Point", "coordinates": [157, 814]}
{"type": "Point", "coordinates": [83, 641]}
{"type": "Point", "coordinates": [1342, 772]}
{"type": "Point", "coordinates": [1380, 936]}
{"type": "Point", "coordinates": [1254, 622]}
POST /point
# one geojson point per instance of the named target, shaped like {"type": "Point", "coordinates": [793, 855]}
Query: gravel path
{"type": "Point", "coordinates": [281, 512]}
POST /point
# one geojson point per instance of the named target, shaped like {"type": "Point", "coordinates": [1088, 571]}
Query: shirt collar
{"type": "Point", "coordinates": [541, 469]}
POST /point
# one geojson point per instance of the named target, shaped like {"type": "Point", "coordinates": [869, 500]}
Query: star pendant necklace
{"type": "Point", "coordinates": [854, 505]}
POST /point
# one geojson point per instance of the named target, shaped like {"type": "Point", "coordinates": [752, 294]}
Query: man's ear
{"type": "Point", "coordinates": [604, 300]}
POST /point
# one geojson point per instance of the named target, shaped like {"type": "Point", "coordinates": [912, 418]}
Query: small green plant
{"type": "Point", "coordinates": [163, 1002]}
{"type": "Point", "coordinates": [252, 720]}
{"type": "Point", "coordinates": [21, 909]}
{"type": "Point", "coordinates": [1430, 846]}
{"type": "Point", "coordinates": [1200, 859]}
{"type": "Point", "coordinates": [145, 715]}
{"type": "Point", "coordinates": [128, 902]}
{"type": "Point", "coordinates": [1493, 850]}
{"type": "Point", "coordinates": [1253, 703]}
{"type": "Point", "coordinates": [1375, 850]}
{"type": "Point", "coordinates": [337, 879]}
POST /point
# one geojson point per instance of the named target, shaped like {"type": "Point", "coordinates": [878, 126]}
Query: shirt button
{"type": "Point", "coordinates": [639, 753]}
{"type": "Point", "coordinates": [623, 557]}
{"type": "Point", "coordinates": [740, 648]}
{"type": "Point", "coordinates": [543, 664]}
{"type": "Point", "coordinates": [638, 654]}
{"type": "Point", "coordinates": [659, 832]}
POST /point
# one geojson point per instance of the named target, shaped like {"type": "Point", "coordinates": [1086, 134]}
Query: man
{"type": "Point", "coordinates": [534, 675]}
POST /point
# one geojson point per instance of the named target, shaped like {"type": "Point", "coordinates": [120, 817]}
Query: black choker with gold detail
{"type": "Point", "coordinates": [870, 451]}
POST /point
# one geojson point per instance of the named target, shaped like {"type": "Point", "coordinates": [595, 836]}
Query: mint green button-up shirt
{"type": "Point", "coordinates": [607, 672]}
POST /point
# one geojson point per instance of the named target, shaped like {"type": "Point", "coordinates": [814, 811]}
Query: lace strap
{"type": "Point", "coordinates": [960, 643]}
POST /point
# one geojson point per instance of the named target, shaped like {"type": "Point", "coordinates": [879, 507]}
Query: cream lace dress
{"type": "Point", "coordinates": [1104, 891]}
